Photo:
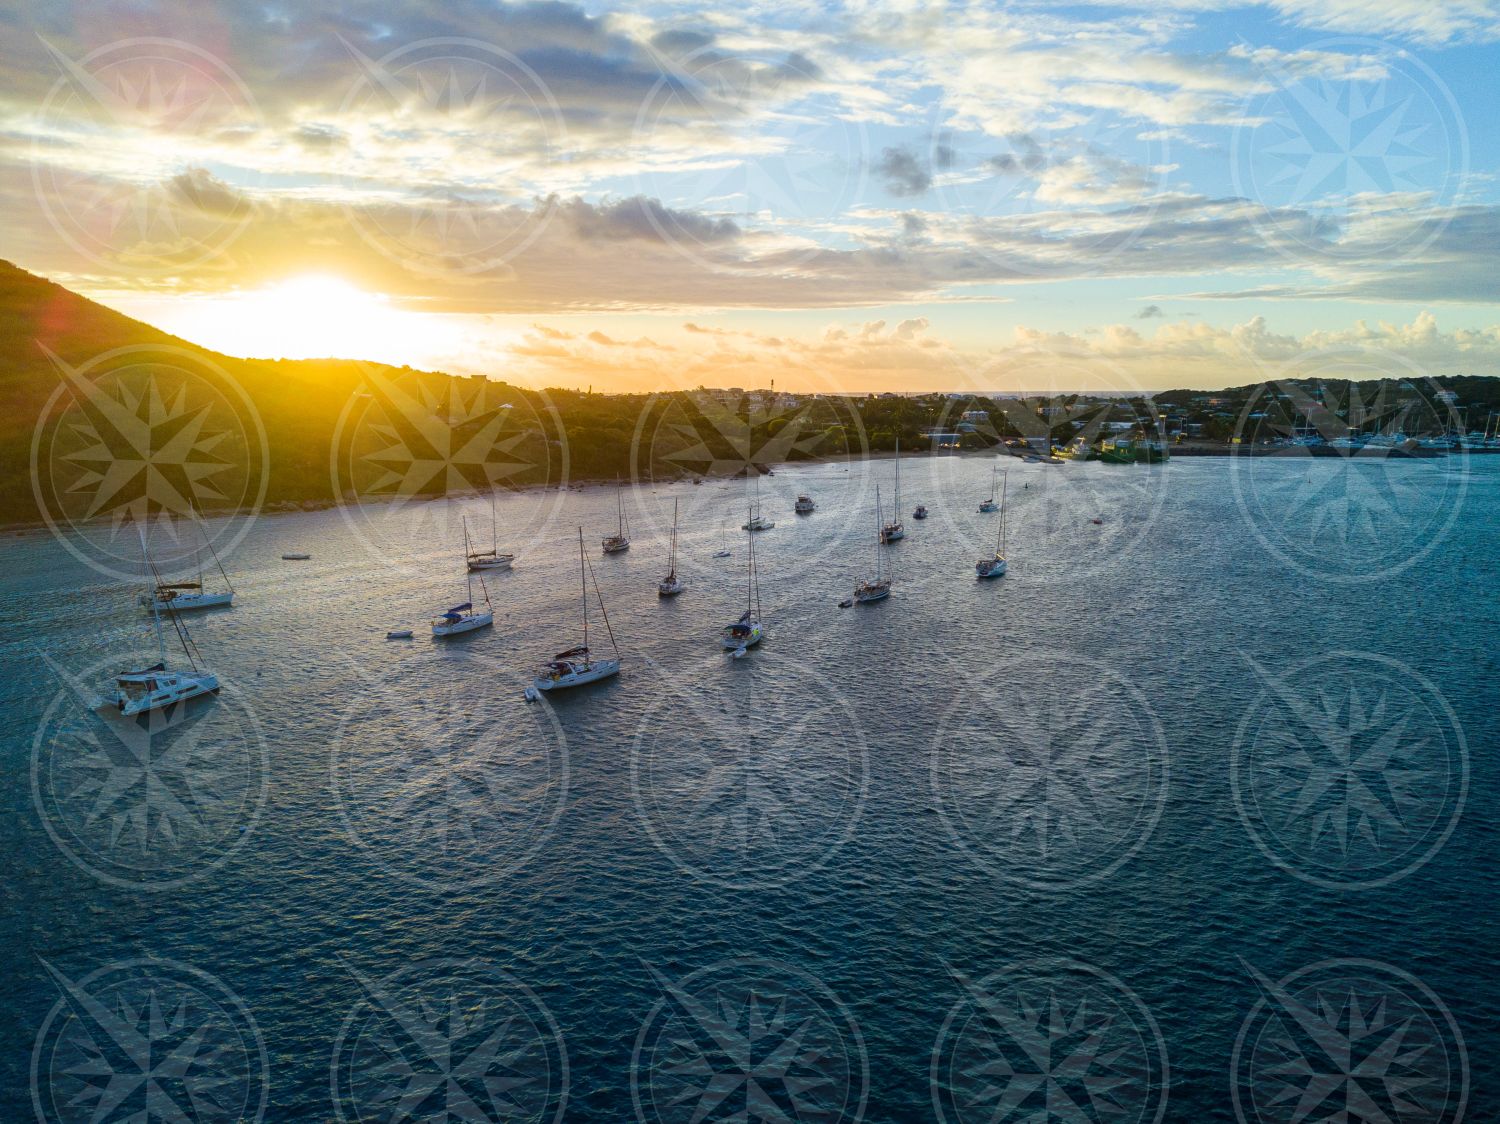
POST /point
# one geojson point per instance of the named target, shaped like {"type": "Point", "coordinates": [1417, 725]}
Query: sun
{"type": "Point", "coordinates": [307, 316]}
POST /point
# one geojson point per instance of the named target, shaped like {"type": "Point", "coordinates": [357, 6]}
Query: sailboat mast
{"type": "Point", "coordinates": [583, 586]}
{"type": "Point", "coordinates": [672, 558]}
{"type": "Point", "coordinates": [750, 569]}
{"type": "Point", "coordinates": [494, 531]}
{"type": "Point", "coordinates": [879, 520]}
{"type": "Point", "coordinates": [210, 544]}
{"type": "Point", "coordinates": [1003, 482]}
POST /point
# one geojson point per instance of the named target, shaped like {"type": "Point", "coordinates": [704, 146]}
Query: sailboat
{"type": "Point", "coordinates": [671, 585]}
{"type": "Point", "coordinates": [746, 632]}
{"type": "Point", "coordinates": [491, 559]}
{"type": "Point", "coordinates": [620, 540]}
{"type": "Point", "coordinates": [990, 505]}
{"type": "Point", "coordinates": [878, 588]}
{"type": "Point", "coordinates": [723, 551]}
{"type": "Point", "coordinates": [894, 530]}
{"type": "Point", "coordinates": [152, 688]}
{"type": "Point", "coordinates": [577, 665]}
{"type": "Point", "coordinates": [179, 596]}
{"type": "Point", "coordinates": [756, 521]}
{"type": "Point", "coordinates": [995, 567]}
{"type": "Point", "coordinates": [465, 617]}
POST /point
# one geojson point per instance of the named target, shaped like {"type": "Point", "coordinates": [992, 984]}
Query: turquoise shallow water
{"type": "Point", "coordinates": [1086, 840]}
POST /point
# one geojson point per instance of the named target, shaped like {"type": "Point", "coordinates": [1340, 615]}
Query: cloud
{"type": "Point", "coordinates": [1150, 312]}
{"type": "Point", "coordinates": [902, 173]}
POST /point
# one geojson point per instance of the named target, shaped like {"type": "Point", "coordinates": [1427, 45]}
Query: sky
{"type": "Point", "coordinates": [838, 196]}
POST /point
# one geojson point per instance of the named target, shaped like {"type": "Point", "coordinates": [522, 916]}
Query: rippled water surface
{"type": "Point", "coordinates": [1090, 835]}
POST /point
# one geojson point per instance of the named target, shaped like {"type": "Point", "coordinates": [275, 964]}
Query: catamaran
{"type": "Point", "coordinates": [990, 505]}
{"type": "Point", "coordinates": [995, 567]}
{"type": "Point", "coordinates": [491, 559]}
{"type": "Point", "coordinates": [152, 688]}
{"type": "Point", "coordinates": [746, 632]}
{"type": "Point", "coordinates": [878, 588]}
{"type": "Point", "coordinates": [894, 530]}
{"type": "Point", "coordinates": [671, 585]}
{"type": "Point", "coordinates": [577, 666]}
{"type": "Point", "coordinates": [180, 596]}
{"type": "Point", "coordinates": [620, 540]}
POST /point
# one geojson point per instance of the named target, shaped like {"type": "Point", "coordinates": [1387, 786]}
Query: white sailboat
{"type": "Point", "coordinates": [723, 551]}
{"type": "Point", "coordinates": [756, 521]}
{"type": "Point", "coordinates": [746, 632]}
{"type": "Point", "coordinates": [577, 666]}
{"type": "Point", "coordinates": [491, 559]}
{"type": "Point", "coordinates": [671, 585]}
{"type": "Point", "coordinates": [990, 505]}
{"type": "Point", "coordinates": [620, 540]}
{"type": "Point", "coordinates": [465, 617]}
{"type": "Point", "coordinates": [152, 688]}
{"type": "Point", "coordinates": [180, 596]}
{"type": "Point", "coordinates": [879, 587]}
{"type": "Point", "coordinates": [895, 530]}
{"type": "Point", "coordinates": [995, 567]}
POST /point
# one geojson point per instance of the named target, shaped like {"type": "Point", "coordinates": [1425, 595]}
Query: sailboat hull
{"type": "Point", "coordinates": [731, 643]}
{"type": "Point", "coordinates": [668, 589]}
{"type": "Point", "coordinates": [501, 562]}
{"type": "Point", "coordinates": [595, 671]}
{"type": "Point", "coordinates": [990, 568]}
{"type": "Point", "coordinates": [185, 601]}
{"type": "Point", "coordinates": [441, 628]}
{"type": "Point", "coordinates": [616, 545]}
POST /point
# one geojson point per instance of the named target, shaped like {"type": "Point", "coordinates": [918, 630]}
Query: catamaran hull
{"type": "Point", "coordinates": [186, 601]}
{"type": "Point", "coordinates": [180, 692]}
{"type": "Point", "coordinates": [599, 669]}
{"type": "Point", "coordinates": [468, 624]}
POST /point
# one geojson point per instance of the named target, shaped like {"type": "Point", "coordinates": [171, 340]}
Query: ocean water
{"type": "Point", "coordinates": [1191, 816]}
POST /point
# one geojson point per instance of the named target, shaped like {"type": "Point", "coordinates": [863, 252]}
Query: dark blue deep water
{"type": "Point", "coordinates": [1192, 816]}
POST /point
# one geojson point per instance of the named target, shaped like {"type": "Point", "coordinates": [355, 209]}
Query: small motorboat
{"type": "Point", "coordinates": [295, 557]}
{"type": "Point", "coordinates": [804, 505]}
{"type": "Point", "coordinates": [399, 634]}
{"type": "Point", "coordinates": [1096, 520]}
{"type": "Point", "coordinates": [920, 512]}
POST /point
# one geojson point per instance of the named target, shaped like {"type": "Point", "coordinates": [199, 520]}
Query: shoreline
{"type": "Point", "coordinates": [1215, 451]}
